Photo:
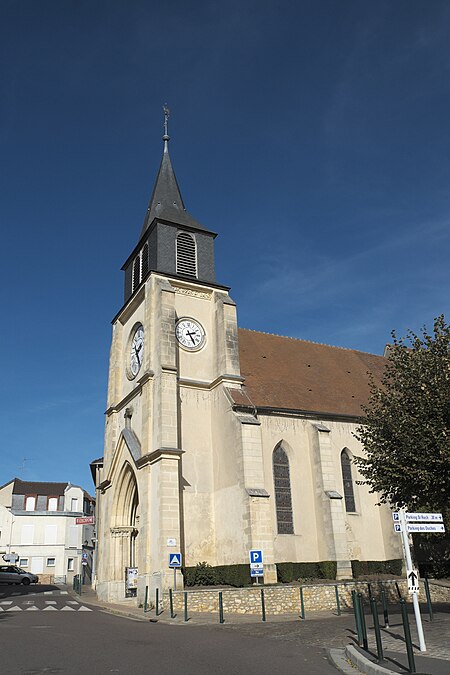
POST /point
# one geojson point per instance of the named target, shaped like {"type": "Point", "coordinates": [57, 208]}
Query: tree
{"type": "Point", "coordinates": [406, 428]}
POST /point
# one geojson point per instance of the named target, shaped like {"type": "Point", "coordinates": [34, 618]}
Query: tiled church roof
{"type": "Point", "coordinates": [290, 374]}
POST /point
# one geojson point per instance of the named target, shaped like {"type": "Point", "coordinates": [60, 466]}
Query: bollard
{"type": "Point", "coordinates": [302, 604]}
{"type": "Point", "coordinates": [220, 607]}
{"type": "Point", "coordinates": [385, 607]}
{"type": "Point", "coordinates": [172, 615]}
{"type": "Point", "coordinates": [363, 622]}
{"type": "Point", "coordinates": [357, 617]}
{"type": "Point", "coordinates": [186, 618]}
{"type": "Point", "coordinates": [338, 606]}
{"type": "Point", "coordinates": [409, 647]}
{"type": "Point", "coordinates": [157, 602]}
{"type": "Point", "coordinates": [427, 593]}
{"type": "Point", "coordinates": [376, 627]}
{"type": "Point", "coordinates": [145, 599]}
{"type": "Point", "coordinates": [263, 605]}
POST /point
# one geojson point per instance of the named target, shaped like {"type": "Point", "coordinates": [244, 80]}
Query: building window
{"type": "Point", "coordinates": [51, 562]}
{"type": "Point", "coordinates": [74, 504]}
{"type": "Point", "coordinates": [23, 562]}
{"type": "Point", "coordinates": [136, 272]}
{"type": "Point", "coordinates": [349, 496]}
{"type": "Point", "coordinates": [282, 482]}
{"type": "Point", "coordinates": [30, 503]}
{"type": "Point", "coordinates": [52, 504]}
{"type": "Point", "coordinates": [186, 255]}
{"type": "Point", "coordinates": [70, 564]}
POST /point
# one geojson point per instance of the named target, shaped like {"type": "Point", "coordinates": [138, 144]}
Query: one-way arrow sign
{"type": "Point", "coordinates": [413, 581]}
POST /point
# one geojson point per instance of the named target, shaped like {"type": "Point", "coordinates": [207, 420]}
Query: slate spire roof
{"type": "Point", "coordinates": [166, 202]}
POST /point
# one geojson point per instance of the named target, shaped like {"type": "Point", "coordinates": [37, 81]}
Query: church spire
{"type": "Point", "coordinates": [166, 202]}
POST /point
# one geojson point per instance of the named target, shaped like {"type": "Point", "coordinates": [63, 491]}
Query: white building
{"type": "Point", "coordinates": [38, 524]}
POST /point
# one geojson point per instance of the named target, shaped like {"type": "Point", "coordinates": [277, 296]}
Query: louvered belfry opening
{"type": "Point", "coordinates": [136, 272]}
{"type": "Point", "coordinates": [144, 265]}
{"type": "Point", "coordinates": [186, 255]}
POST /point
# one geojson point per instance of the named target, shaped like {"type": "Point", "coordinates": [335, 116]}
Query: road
{"type": "Point", "coordinates": [44, 630]}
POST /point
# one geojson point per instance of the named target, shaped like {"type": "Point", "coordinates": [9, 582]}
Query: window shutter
{"type": "Point", "coordinates": [186, 254]}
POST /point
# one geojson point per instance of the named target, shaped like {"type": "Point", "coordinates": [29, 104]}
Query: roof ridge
{"type": "Point", "coordinates": [312, 342]}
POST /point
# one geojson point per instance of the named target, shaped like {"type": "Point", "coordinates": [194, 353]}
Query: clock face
{"type": "Point", "coordinates": [190, 334]}
{"type": "Point", "coordinates": [136, 353]}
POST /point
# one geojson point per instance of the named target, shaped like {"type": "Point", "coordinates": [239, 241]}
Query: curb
{"type": "Point", "coordinates": [365, 664]}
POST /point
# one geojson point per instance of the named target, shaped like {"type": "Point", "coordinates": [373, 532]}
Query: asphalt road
{"type": "Point", "coordinates": [44, 630]}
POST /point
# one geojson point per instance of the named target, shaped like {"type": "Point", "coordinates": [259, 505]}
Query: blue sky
{"type": "Point", "coordinates": [314, 137]}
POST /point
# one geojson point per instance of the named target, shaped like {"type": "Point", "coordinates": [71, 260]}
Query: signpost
{"type": "Point", "coordinates": [175, 560]}
{"type": "Point", "coordinates": [421, 523]}
{"type": "Point", "coordinates": [256, 563]}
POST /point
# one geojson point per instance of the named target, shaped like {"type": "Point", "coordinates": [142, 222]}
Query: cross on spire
{"type": "Point", "coordinates": [166, 136]}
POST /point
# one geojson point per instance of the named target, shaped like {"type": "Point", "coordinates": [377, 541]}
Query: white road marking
{"type": "Point", "coordinates": [14, 609]}
{"type": "Point", "coordinates": [84, 609]}
{"type": "Point", "coordinates": [67, 609]}
{"type": "Point", "coordinates": [73, 602]}
{"type": "Point", "coordinates": [32, 609]}
{"type": "Point", "coordinates": [64, 592]}
{"type": "Point", "coordinates": [49, 607]}
{"type": "Point", "coordinates": [6, 602]}
{"type": "Point", "coordinates": [50, 602]}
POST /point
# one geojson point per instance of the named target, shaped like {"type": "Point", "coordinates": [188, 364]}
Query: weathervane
{"type": "Point", "coordinates": [166, 121]}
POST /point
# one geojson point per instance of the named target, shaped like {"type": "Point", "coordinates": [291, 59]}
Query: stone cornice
{"type": "Point", "coordinates": [157, 455]}
{"type": "Point", "coordinates": [135, 392]}
{"type": "Point", "coordinates": [207, 384]}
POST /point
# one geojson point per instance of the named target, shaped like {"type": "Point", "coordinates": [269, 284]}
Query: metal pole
{"type": "Point", "coordinates": [369, 588]}
{"type": "Point", "coordinates": [220, 607]}
{"type": "Point", "coordinates": [338, 606]}
{"type": "Point", "coordinates": [172, 615]}
{"type": "Point", "coordinates": [428, 594]}
{"type": "Point", "coordinates": [409, 647]}
{"type": "Point", "coordinates": [185, 607]}
{"type": "Point", "coordinates": [302, 604]}
{"type": "Point", "coordinates": [376, 627]}
{"type": "Point", "coordinates": [385, 607]}
{"type": "Point", "coordinates": [145, 599]}
{"type": "Point", "coordinates": [363, 622]}
{"type": "Point", "coordinates": [409, 566]}
{"type": "Point", "coordinates": [157, 602]}
{"type": "Point", "coordinates": [357, 617]}
{"type": "Point", "coordinates": [174, 578]}
{"type": "Point", "coordinates": [263, 604]}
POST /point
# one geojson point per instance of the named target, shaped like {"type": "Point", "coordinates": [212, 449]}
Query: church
{"type": "Point", "coordinates": [219, 440]}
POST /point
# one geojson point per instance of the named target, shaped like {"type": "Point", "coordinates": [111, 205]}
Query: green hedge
{"type": "Point", "coordinates": [293, 571]}
{"type": "Point", "coordinates": [222, 575]}
{"type": "Point", "coordinates": [364, 567]}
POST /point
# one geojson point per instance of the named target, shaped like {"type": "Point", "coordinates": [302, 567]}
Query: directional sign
{"type": "Point", "coordinates": [256, 566]}
{"type": "Point", "coordinates": [419, 517]}
{"type": "Point", "coordinates": [175, 559]}
{"type": "Point", "coordinates": [256, 572]}
{"type": "Point", "coordinates": [423, 528]}
{"type": "Point", "coordinates": [256, 556]}
{"type": "Point", "coordinates": [412, 577]}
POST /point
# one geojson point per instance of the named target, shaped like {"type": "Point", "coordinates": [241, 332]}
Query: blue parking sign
{"type": "Point", "coordinates": [256, 556]}
{"type": "Point", "coordinates": [174, 559]}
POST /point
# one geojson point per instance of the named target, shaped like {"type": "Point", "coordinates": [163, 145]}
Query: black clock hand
{"type": "Point", "coordinates": [190, 335]}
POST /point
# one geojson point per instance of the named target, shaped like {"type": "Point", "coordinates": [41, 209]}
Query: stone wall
{"type": "Point", "coordinates": [286, 599]}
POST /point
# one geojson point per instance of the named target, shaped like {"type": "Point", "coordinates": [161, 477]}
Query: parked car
{"type": "Point", "coordinates": [11, 574]}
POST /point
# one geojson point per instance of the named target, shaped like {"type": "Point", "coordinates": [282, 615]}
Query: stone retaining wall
{"type": "Point", "coordinates": [286, 599]}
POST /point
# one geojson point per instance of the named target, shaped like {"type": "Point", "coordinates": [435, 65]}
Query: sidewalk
{"type": "Point", "coordinates": [321, 629]}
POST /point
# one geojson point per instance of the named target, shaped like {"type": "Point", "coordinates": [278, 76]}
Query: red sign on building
{"type": "Point", "coordinates": [85, 520]}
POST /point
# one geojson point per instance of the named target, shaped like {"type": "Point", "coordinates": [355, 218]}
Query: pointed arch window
{"type": "Point", "coordinates": [186, 255]}
{"type": "Point", "coordinates": [282, 483]}
{"type": "Point", "coordinates": [136, 272]}
{"type": "Point", "coordinates": [347, 479]}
